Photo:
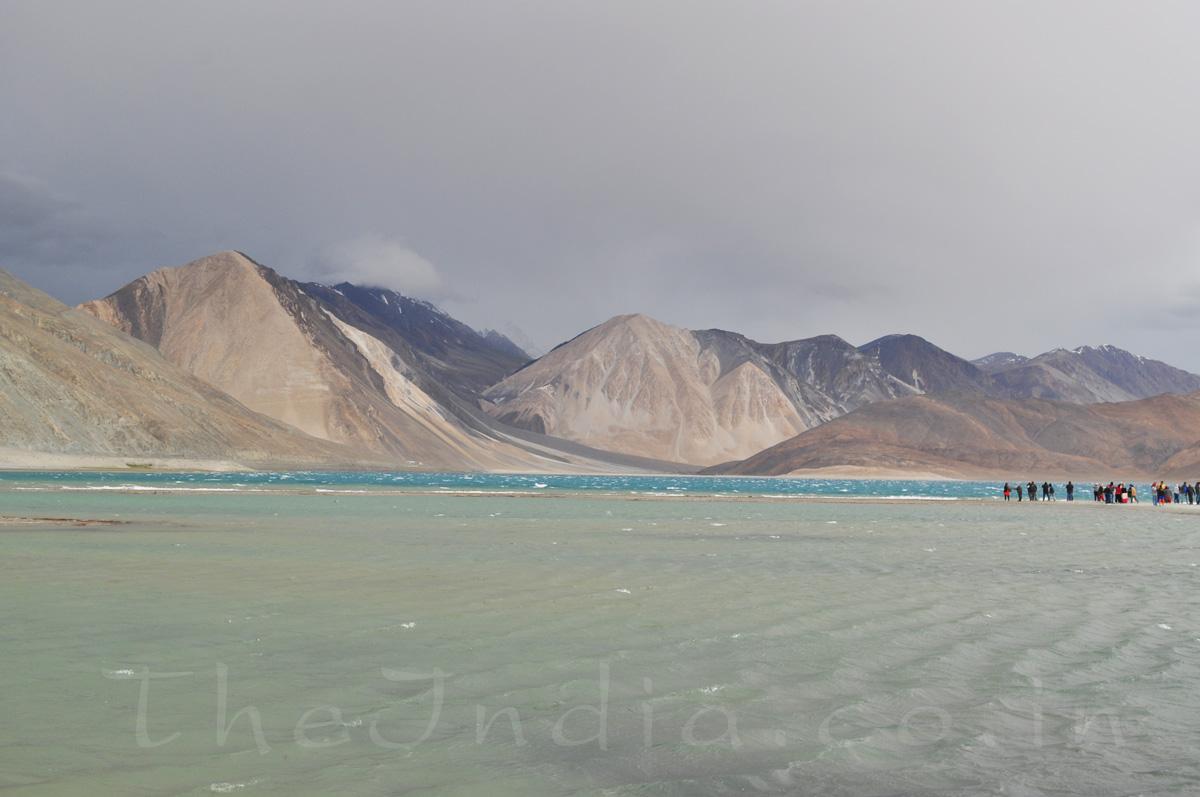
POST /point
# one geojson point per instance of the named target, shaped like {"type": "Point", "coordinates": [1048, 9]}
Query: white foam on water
{"type": "Point", "coordinates": [145, 488]}
{"type": "Point", "coordinates": [624, 591]}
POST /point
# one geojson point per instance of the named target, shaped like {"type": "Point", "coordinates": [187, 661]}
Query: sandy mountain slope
{"type": "Point", "coordinates": [965, 436]}
{"type": "Point", "coordinates": [637, 385]}
{"type": "Point", "coordinates": [72, 385]}
{"type": "Point", "coordinates": [266, 341]}
{"type": "Point", "coordinates": [642, 387]}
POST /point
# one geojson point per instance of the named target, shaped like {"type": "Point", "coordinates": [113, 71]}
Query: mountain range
{"type": "Point", "coordinates": [354, 367]}
{"type": "Point", "coordinates": [634, 384]}
{"type": "Point", "coordinates": [271, 369]}
{"type": "Point", "coordinates": [75, 391]}
{"type": "Point", "coordinates": [976, 436]}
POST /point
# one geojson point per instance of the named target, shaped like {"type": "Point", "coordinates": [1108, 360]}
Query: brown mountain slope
{"type": "Point", "coordinates": [264, 340]}
{"type": "Point", "coordinates": [71, 385]}
{"type": "Point", "coordinates": [639, 386]}
{"type": "Point", "coordinates": [971, 436]}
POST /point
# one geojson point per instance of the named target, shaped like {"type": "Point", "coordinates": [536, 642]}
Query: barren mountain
{"type": "Point", "coordinates": [453, 353]}
{"type": "Point", "coordinates": [638, 386]}
{"type": "Point", "coordinates": [337, 373]}
{"type": "Point", "coordinates": [999, 360]}
{"type": "Point", "coordinates": [966, 436]}
{"type": "Point", "coordinates": [846, 375]}
{"type": "Point", "coordinates": [71, 385]}
{"type": "Point", "coordinates": [921, 367]}
{"type": "Point", "coordinates": [1088, 374]}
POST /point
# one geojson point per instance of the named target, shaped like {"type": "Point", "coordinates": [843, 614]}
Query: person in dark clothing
{"type": "Point", "coordinates": [1032, 487]}
{"type": "Point", "coordinates": [1070, 491]}
{"type": "Point", "coordinates": [1045, 491]}
{"type": "Point", "coordinates": [1052, 498]}
{"type": "Point", "coordinates": [1020, 491]}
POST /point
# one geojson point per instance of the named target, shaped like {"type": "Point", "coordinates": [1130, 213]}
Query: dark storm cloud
{"type": "Point", "coordinates": [992, 176]}
{"type": "Point", "coordinates": [39, 228]}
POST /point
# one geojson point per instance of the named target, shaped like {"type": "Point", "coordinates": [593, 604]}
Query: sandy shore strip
{"type": "Point", "coordinates": [58, 521]}
{"type": "Point", "coordinates": [22, 460]}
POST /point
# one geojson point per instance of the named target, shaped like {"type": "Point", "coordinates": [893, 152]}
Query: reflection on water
{"type": "Point", "coordinates": [380, 644]}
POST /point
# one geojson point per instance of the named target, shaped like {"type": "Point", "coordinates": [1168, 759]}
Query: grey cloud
{"type": "Point", "coordinates": [992, 176]}
{"type": "Point", "coordinates": [38, 227]}
{"type": "Point", "coordinates": [377, 261]}
{"type": "Point", "coordinates": [1178, 309]}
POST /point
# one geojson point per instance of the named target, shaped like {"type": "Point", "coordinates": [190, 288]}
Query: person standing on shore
{"type": "Point", "coordinates": [1007, 492]}
{"type": "Point", "coordinates": [1020, 490]}
{"type": "Point", "coordinates": [1070, 491]}
{"type": "Point", "coordinates": [1032, 487]}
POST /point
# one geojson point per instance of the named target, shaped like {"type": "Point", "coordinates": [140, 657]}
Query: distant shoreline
{"type": "Point", "coordinates": [53, 463]}
{"type": "Point", "coordinates": [548, 494]}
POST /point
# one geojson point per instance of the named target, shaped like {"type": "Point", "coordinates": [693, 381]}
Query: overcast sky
{"type": "Point", "coordinates": [999, 175]}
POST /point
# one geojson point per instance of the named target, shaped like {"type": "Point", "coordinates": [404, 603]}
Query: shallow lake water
{"type": "Point", "coordinates": [383, 643]}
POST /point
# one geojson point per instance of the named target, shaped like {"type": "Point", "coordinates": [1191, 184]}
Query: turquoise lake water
{"type": "Point", "coordinates": [517, 640]}
{"type": "Point", "coordinates": [648, 485]}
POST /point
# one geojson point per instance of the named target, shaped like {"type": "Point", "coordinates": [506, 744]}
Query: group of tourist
{"type": "Point", "coordinates": [1179, 494]}
{"type": "Point", "coordinates": [1110, 493]}
{"type": "Point", "coordinates": [1115, 493]}
{"type": "Point", "coordinates": [1030, 489]}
